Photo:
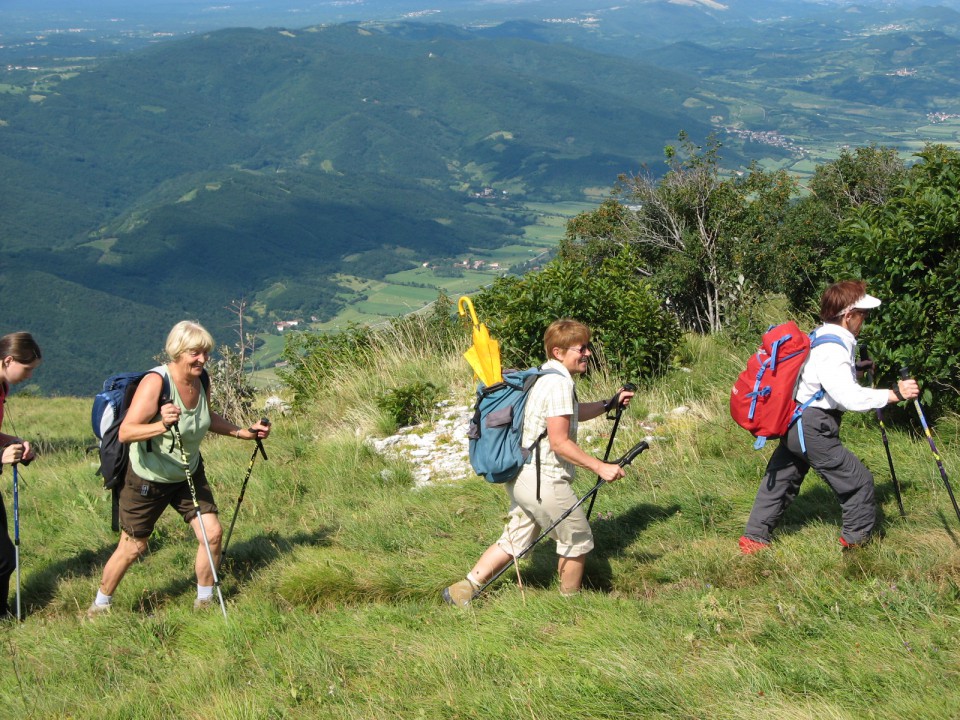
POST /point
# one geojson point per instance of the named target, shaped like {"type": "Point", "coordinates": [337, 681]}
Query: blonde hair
{"type": "Point", "coordinates": [564, 333]}
{"type": "Point", "coordinates": [187, 335]}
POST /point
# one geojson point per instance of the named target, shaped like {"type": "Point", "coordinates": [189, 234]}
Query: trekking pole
{"type": "Point", "coordinates": [905, 374]}
{"type": "Point", "coordinates": [203, 531]}
{"type": "Point", "coordinates": [616, 423]}
{"type": "Point", "coordinates": [628, 458]}
{"type": "Point", "coordinates": [886, 442]}
{"type": "Point", "coordinates": [243, 489]}
{"type": "Point", "coordinates": [16, 532]}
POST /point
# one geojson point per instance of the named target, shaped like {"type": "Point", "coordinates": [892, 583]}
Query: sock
{"type": "Point", "coordinates": [473, 581]}
{"type": "Point", "coordinates": [204, 592]}
{"type": "Point", "coordinates": [103, 599]}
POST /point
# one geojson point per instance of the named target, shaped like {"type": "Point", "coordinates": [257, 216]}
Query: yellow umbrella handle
{"type": "Point", "coordinates": [464, 300]}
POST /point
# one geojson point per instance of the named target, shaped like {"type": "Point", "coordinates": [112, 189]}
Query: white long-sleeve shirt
{"type": "Point", "coordinates": [833, 368]}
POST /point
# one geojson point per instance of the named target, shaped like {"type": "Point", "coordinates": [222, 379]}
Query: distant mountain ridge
{"type": "Point", "coordinates": [291, 166]}
{"type": "Point", "coordinates": [182, 176]}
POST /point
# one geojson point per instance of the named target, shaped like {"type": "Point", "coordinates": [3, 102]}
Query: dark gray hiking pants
{"type": "Point", "coordinates": [841, 470]}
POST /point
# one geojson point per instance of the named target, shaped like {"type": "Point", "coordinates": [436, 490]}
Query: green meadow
{"type": "Point", "coordinates": [334, 572]}
{"type": "Point", "coordinates": [370, 302]}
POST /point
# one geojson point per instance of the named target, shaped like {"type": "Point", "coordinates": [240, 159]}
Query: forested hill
{"type": "Point", "coordinates": [167, 182]}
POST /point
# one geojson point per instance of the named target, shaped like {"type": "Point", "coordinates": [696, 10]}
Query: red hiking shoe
{"type": "Point", "coordinates": [749, 546]}
{"type": "Point", "coordinates": [849, 546]}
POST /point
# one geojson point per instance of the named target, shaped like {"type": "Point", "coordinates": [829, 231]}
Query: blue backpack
{"type": "Point", "coordinates": [496, 430]}
{"type": "Point", "coordinates": [109, 408]}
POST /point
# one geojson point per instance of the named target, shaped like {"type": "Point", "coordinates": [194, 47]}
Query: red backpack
{"type": "Point", "coordinates": [763, 398]}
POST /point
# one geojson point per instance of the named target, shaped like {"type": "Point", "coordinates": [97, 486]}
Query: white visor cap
{"type": "Point", "coordinates": [867, 302]}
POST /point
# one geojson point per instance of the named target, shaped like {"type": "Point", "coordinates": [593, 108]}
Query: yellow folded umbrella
{"type": "Point", "coordinates": [484, 354]}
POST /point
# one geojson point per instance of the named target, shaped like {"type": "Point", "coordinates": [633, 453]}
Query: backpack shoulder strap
{"type": "Point", "coordinates": [541, 371]}
{"type": "Point", "coordinates": [161, 370]}
{"type": "Point", "coordinates": [817, 340]}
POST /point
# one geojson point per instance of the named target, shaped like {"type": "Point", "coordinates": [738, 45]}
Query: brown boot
{"type": "Point", "coordinates": [460, 593]}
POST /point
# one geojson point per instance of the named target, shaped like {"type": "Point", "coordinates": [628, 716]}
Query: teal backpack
{"type": "Point", "coordinates": [496, 430]}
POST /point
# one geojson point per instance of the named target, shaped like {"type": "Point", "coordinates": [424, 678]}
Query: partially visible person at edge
{"type": "Point", "coordinates": [156, 476]}
{"type": "Point", "coordinates": [843, 309]}
{"type": "Point", "coordinates": [19, 357]}
{"type": "Point", "coordinates": [552, 406]}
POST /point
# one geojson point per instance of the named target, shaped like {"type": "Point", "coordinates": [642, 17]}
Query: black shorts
{"type": "Point", "coordinates": [142, 502]}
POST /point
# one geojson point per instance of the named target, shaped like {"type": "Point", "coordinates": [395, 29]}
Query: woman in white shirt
{"type": "Point", "coordinates": [814, 440]}
{"type": "Point", "coordinates": [551, 406]}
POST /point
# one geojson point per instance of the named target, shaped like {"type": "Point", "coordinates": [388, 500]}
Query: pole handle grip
{"type": "Point", "coordinates": [263, 421]}
{"type": "Point", "coordinates": [632, 453]}
{"type": "Point", "coordinates": [615, 401]}
{"type": "Point", "coordinates": [905, 373]}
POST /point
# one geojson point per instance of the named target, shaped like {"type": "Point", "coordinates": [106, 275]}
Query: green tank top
{"type": "Point", "coordinates": [162, 462]}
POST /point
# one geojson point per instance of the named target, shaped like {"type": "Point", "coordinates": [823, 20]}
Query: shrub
{"type": "Point", "coordinates": [634, 335]}
{"type": "Point", "coordinates": [410, 404]}
{"type": "Point", "coordinates": [906, 249]}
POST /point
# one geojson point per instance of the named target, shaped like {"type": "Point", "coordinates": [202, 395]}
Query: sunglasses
{"type": "Point", "coordinates": [582, 349]}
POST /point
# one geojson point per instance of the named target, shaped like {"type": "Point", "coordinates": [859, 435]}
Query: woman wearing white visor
{"type": "Point", "coordinates": [814, 440]}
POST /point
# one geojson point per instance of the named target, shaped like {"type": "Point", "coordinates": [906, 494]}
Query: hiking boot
{"type": "Point", "coordinates": [748, 546]}
{"type": "Point", "coordinates": [96, 610]}
{"type": "Point", "coordinates": [459, 594]}
{"type": "Point", "coordinates": [203, 603]}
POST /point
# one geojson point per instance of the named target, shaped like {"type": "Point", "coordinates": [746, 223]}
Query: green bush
{"type": "Point", "coordinates": [410, 404]}
{"type": "Point", "coordinates": [634, 335]}
{"type": "Point", "coordinates": [906, 249]}
{"type": "Point", "coordinates": [311, 357]}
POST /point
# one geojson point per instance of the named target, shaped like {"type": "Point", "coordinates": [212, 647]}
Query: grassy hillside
{"type": "Point", "coordinates": [337, 562]}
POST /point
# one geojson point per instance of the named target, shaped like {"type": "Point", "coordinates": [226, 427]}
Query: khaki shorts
{"type": "Point", "coordinates": [142, 502]}
{"type": "Point", "coordinates": [529, 517]}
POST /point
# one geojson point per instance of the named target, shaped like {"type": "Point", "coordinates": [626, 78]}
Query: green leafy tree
{"type": "Point", "coordinates": [703, 238]}
{"type": "Point", "coordinates": [907, 250]}
{"type": "Point", "coordinates": [634, 335]}
{"type": "Point", "coordinates": [810, 233]}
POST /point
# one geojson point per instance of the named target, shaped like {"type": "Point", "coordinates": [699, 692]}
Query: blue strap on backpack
{"type": "Point", "coordinates": [761, 391]}
{"type": "Point", "coordinates": [815, 341]}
